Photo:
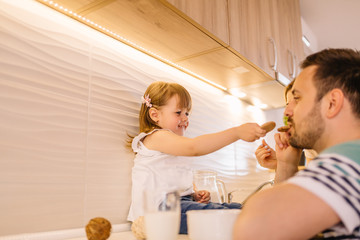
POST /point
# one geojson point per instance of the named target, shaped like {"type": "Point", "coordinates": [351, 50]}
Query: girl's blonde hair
{"type": "Point", "coordinates": [159, 93]}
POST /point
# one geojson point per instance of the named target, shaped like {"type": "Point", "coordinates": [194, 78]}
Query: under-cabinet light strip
{"type": "Point", "coordinates": [305, 40]}
{"type": "Point", "coordinates": [112, 34]}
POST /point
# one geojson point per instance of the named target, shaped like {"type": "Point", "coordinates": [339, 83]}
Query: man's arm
{"type": "Point", "coordinates": [285, 211]}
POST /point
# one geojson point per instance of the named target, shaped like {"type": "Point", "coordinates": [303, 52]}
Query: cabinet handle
{"type": "Point", "coordinates": [274, 66]}
{"type": "Point", "coordinates": [291, 64]}
{"type": "Point", "coordinates": [295, 63]}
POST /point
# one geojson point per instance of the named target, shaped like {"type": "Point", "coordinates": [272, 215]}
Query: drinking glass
{"type": "Point", "coordinates": [162, 215]}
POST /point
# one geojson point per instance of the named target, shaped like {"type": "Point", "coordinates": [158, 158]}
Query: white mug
{"type": "Point", "coordinates": [211, 224]}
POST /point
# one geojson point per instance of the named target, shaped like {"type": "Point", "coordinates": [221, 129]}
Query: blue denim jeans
{"type": "Point", "coordinates": [187, 203]}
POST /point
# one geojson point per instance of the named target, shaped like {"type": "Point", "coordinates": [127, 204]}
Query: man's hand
{"type": "Point", "coordinates": [288, 157]}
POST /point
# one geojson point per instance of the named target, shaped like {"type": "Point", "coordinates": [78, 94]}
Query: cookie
{"type": "Point", "coordinates": [283, 128]}
{"type": "Point", "coordinates": [268, 126]}
{"type": "Point", "coordinates": [98, 229]}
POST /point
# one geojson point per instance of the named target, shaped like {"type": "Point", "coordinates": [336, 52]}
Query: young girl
{"type": "Point", "coordinates": [163, 119]}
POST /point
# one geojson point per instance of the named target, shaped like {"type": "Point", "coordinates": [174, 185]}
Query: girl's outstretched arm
{"type": "Point", "coordinates": [170, 143]}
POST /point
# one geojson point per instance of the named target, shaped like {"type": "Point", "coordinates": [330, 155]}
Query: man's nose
{"type": "Point", "coordinates": [289, 109]}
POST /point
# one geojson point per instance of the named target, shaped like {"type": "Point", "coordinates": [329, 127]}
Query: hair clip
{"type": "Point", "coordinates": [146, 100]}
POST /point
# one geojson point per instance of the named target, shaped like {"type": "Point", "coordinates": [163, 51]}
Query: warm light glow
{"type": "Point", "coordinates": [256, 113]}
{"type": "Point", "coordinates": [237, 92]}
{"type": "Point", "coordinates": [126, 41]}
{"type": "Point", "coordinates": [235, 105]}
{"type": "Point", "coordinates": [259, 104]}
{"type": "Point", "coordinates": [251, 108]}
{"type": "Point", "coordinates": [263, 106]}
{"type": "Point", "coordinates": [137, 52]}
{"type": "Point", "coordinates": [240, 70]}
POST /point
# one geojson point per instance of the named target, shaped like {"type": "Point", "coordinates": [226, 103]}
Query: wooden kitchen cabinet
{"type": "Point", "coordinates": [296, 34]}
{"type": "Point", "coordinates": [291, 50]}
{"type": "Point", "coordinates": [254, 31]}
{"type": "Point", "coordinates": [193, 36]}
{"type": "Point", "coordinates": [210, 14]}
{"type": "Point", "coordinates": [268, 33]}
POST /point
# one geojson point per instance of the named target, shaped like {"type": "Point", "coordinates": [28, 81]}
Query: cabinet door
{"type": "Point", "coordinates": [254, 31]}
{"type": "Point", "coordinates": [270, 35]}
{"type": "Point", "coordinates": [210, 14]}
{"type": "Point", "coordinates": [291, 51]}
{"type": "Point", "coordinates": [244, 27]}
{"type": "Point", "coordinates": [296, 34]}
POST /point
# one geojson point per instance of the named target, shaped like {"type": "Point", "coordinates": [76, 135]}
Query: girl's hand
{"type": "Point", "coordinates": [202, 196]}
{"type": "Point", "coordinates": [266, 156]}
{"type": "Point", "coordinates": [250, 132]}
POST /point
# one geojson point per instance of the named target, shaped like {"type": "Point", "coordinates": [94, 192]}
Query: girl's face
{"type": "Point", "coordinates": [172, 117]}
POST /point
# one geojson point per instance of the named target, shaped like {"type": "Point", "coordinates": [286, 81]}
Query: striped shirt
{"type": "Point", "coordinates": [334, 176]}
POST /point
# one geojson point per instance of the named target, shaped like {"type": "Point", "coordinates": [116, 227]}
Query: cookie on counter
{"type": "Point", "coordinates": [98, 229]}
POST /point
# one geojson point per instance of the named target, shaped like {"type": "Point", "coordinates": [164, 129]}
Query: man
{"type": "Point", "coordinates": [325, 197]}
{"type": "Point", "coordinates": [265, 155]}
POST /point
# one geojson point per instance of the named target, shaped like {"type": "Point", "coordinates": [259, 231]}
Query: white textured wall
{"type": "Point", "coordinates": [68, 97]}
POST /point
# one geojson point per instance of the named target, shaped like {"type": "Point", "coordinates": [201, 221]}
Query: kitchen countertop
{"type": "Point", "coordinates": [128, 235]}
{"type": "Point", "coordinates": [241, 186]}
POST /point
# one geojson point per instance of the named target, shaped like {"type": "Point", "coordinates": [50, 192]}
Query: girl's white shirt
{"type": "Point", "coordinates": [310, 154]}
{"type": "Point", "coordinates": [158, 171]}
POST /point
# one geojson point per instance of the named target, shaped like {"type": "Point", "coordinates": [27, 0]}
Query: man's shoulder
{"type": "Point", "coordinates": [350, 150]}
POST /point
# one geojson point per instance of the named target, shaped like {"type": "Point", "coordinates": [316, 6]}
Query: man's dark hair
{"type": "Point", "coordinates": [337, 68]}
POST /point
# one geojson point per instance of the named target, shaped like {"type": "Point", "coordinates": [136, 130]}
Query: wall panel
{"type": "Point", "coordinates": [68, 98]}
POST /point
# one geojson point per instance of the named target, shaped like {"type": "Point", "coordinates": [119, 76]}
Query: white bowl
{"type": "Point", "coordinates": [211, 224]}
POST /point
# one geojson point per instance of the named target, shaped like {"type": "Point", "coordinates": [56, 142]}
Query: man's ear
{"type": "Point", "coordinates": [335, 101]}
{"type": "Point", "coordinates": [154, 114]}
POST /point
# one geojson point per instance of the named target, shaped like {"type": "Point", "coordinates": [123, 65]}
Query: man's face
{"type": "Point", "coordinates": [289, 102]}
{"type": "Point", "coordinates": [307, 124]}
